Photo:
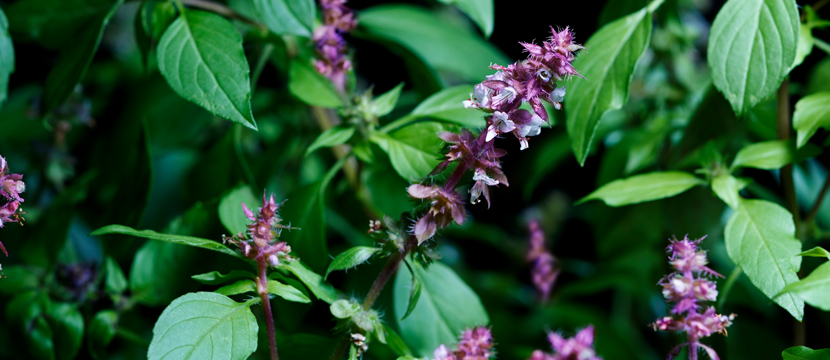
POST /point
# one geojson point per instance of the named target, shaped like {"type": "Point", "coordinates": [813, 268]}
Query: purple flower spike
{"type": "Point", "coordinates": [445, 207]}
{"type": "Point", "coordinates": [531, 81]}
{"type": "Point", "coordinates": [473, 344]}
{"type": "Point", "coordinates": [260, 241]}
{"type": "Point", "coordinates": [688, 288]}
{"type": "Point", "coordinates": [545, 267]}
{"type": "Point", "coordinates": [579, 347]}
{"type": "Point", "coordinates": [11, 185]}
{"type": "Point", "coordinates": [331, 47]}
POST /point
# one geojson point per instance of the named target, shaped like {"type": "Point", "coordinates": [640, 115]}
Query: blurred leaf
{"type": "Point", "coordinates": [100, 332]}
{"type": "Point", "coordinates": [444, 105]}
{"type": "Point", "coordinates": [805, 353]}
{"type": "Point", "coordinates": [239, 287]}
{"type": "Point", "coordinates": [216, 278]}
{"type": "Point", "coordinates": [351, 258]}
{"type": "Point", "coordinates": [385, 188]}
{"type": "Point", "coordinates": [151, 19]}
{"type": "Point", "coordinates": [25, 313]}
{"type": "Point", "coordinates": [176, 239]}
{"type": "Point", "coordinates": [752, 46]}
{"type": "Point", "coordinates": [481, 11]}
{"type": "Point", "coordinates": [67, 323]}
{"type": "Point", "coordinates": [334, 136]}
{"type": "Point", "coordinates": [441, 45]}
{"type": "Point", "coordinates": [819, 79]}
{"type": "Point", "coordinates": [811, 112]}
{"type": "Point", "coordinates": [446, 307]}
{"type": "Point", "coordinates": [805, 44]}
{"type": "Point", "coordinates": [287, 292]}
{"type": "Point", "coordinates": [305, 83]}
{"type": "Point", "coordinates": [612, 53]}
{"type": "Point", "coordinates": [319, 287]}
{"type": "Point", "coordinates": [395, 342]}
{"type": "Point", "coordinates": [414, 293]}
{"type": "Point", "coordinates": [727, 187]}
{"type": "Point", "coordinates": [646, 187]}
{"type": "Point", "coordinates": [19, 279]}
{"type": "Point", "coordinates": [766, 155]}
{"type": "Point", "coordinates": [616, 9]}
{"type": "Point", "coordinates": [385, 103]}
{"type": "Point", "coordinates": [201, 57]}
{"type": "Point", "coordinates": [414, 151]}
{"type": "Point", "coordinates": [760, 240]}
{"type": "Point", "coordinates": [817, 251]}
{"type": "Point", "coordinates": [544, 160]}
{"type": "Point", "coordinates": [230, 209]}
{"type": "Point", "coordinates": [814, 289]}
{"type": "Point", "coordinates": [185, 325]}
{"type": "Point", "coordinates": [6, 57]}
{"type": "Point", "coordinates": [287, 17]}
{"type": "Point", "coordinates": [115, 282]}
{"type": "Point", "coordinates": [344, 309]}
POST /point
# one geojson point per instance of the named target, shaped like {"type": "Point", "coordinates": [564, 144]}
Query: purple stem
{"type": "Point", "coordinates": [262, 288]}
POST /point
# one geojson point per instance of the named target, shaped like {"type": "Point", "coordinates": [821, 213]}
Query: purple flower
{"type": "Point", "coordinates": [531, 81]}
{"type": "Point", "coordinates": [331, 47]}
{"type": "Point", "coordinates": [579, 347]}
{"type": "Point", "coordinates": [473, 344]}
{"type": "Point", "coordinates": [687, 288]}
{"type": "Point", "coordinates": [260, 241]}
{"type": "Point", "coordinates": [446, 206]}
{"type": "Point", "coordinates": [11, 185]}
{"type": "Point", "coordinates": [545, 269]}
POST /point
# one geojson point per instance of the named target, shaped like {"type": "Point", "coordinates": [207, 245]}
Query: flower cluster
{"type": "Point", "coordinates": [532, 81]}
{"type": "Point", "coordinates": [261, 242]}
{"type": "Point", "coordinates": [473, 344]}
{"type": "Point", "coordinates": [687, 287]}
{"type": "Point", "coordinates": [338, 19]}
{"type": "Point", "coordinates": [544, 270]}
{"type": "Point", "coordinates": [500, 96]}
{"type": "Point", "coordinates": [579, 347]}
{"type": "Point", "coordinates": [11, 185]}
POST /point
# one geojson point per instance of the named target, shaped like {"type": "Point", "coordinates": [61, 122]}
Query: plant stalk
{"type": "Point", "coordinates": [262, 288]}
{"type": "Point", "coordinates": [814, 210]}
{"type": "Point", "coordinates": [390, 269]}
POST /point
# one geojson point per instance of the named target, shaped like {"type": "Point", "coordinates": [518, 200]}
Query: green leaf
{"type": "Point", "coordinates": [817, 251]}
{"type": "Point", "coordinates": [385, 103]}
{"type": "Point", "coordinates": [727, 187]}
{"type": "Point", "coordinates": [100, 332]}
{"type": "Point", "coordinates": [216, 278]}
{"type": "Point", "coordinates": [287, 17]}
{"type": "Point", "coordinates": [752, 46]}
{"type": "Point", "coordinates": [6, 57]}
{"type": "Point", "coordinates": [115, 282]}
{"type": "Point", "coordinates": [447, 105]}
{"type": "Point", "coordinates": [351, 258]}
{"type": "Point", "coordinates": [74, 60]}
{"type": "Point", "coordinates": [440, 44]}
{"type": "Point", "coordinates": [25, 314]}
{"type": "Point", "coordinates": [760, 240]}
{"type": "Point", "coordinates": [201, 57]}
{"type": "Point", "coordinates": [67, 323]}
{"type": "Point", "coordinates": [319, 287]}
{"type": "Point", "coordinates": [177, 239]}
{"type": "Point", "coordinates": [239, 287]}
{"type": "Point", "coordinates": [481, 11]}
{"type": "Point", "coordinates": [805, 353]}
{"type": "Point", "coordinates": [766, 155]}
{"type": "Point", "coordinates": [805, 44]}
{"type": "Point", "coordinates": [414, 293]}
{"type": "Point", "coordinates": [642, 188]}
{"type": "Point", "coordinates": [230, 209]}
{"type": "Point", "coordinates": [811, 113]}
{"type": "Point", "coordinates": [395, 342]}
{"type": "Point", "coordinates": [19, 279]}
{"type": "Point", "coordinates": [332, 137]}
{"type": "Point", "coordinates": [447, 306]}
{"type": "Point", "coordinates": [414, 150]}
{"type": "Point", "coordinates": [344, 309]}
{"type": "Point", "coordinates": [310, 87]}
{"type": "Point", "coordinates": [287, 292]}
{"type": "Point", "coordinates": [813, 289]}
{"type": "Point", "coordinates": [607, 65]}
{"type": "Point", "coordinates": [206, 326]}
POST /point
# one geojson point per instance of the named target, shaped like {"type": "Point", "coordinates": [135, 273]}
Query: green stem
{"type": "Point", "coordinates": [783, 126]}
{"type": "Point", "coordinates": [728, 285]}
{"type": "Point", "coordinates": [817, 205]}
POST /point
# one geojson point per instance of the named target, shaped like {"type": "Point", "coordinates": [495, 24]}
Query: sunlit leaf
{"type": "Point", "coordinates": [308, 85]}
{"type": "Point", "coordinates": [726, 187]}
{"type": "Point", "coordinates": [177, 239]}
{"type": "Point", "coordinates": [805, 353]}
{"type": "Point", "coordinates": [294, 17]}
{"type": "Point", "coordinates": [811, 113]}
{"type": "Point", "coordinates": [760, 239]}
{"type": "Point", "coordinates": [814, 289]}
{"type": "Point", "coordinates": [230, 209]}
{"type": "Point", "coordinates": [351, 258]}
{"type": "Point", "coordinates": [752, 46]}
{"type": "Point", "coordinates": [201, 57]}
{"type": "Point", "coordinates": [646, 187]}
{"type": "Point", "coordinates": [334, 136]}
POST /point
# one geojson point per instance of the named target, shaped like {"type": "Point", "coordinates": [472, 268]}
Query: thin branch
{"type": "Point", "coordinates": [262, 288]}
{"type": "Point", "coordinates": [783, 127]}
{"type": "Point", "coordinates": [223, 10]}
